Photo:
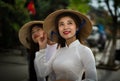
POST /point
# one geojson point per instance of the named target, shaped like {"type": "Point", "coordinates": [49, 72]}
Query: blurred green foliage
{"type": "Point", "coordinates": [80, 5]}
{"type": "Point", "coordinates": [45, 7]}
{"type": "Point", "coordinates": [12, 17]}
{"type": "Point", "coordinates": [14, 14]}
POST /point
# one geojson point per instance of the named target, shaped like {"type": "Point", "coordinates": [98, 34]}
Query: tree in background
{"type": "Point", "coordinates": [80, 5]}
{"type": "Point", "coordinates": [114, 29]}
{"type": "Point", "coordinates": [15, 13]}
{"type": "Point", "coordinates": [45, 7]}
{"type": "Point", "coordinates": [112, 22]}
{"type": "Point", "coordinates": [12, 16]}
{"type": "Point", "coordinates": [114, 14]}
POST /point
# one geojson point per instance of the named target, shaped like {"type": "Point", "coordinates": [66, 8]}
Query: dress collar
{"type": "Point", "coordinates": [76, 42]}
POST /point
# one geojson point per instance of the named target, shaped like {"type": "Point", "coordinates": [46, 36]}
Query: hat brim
{"type": "Point", "coordinates": [24, 32]}
{"type": "Point", "coordinates": [49, 23]}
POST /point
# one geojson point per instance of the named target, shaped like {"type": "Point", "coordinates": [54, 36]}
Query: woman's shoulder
{"type": "Point", "coordinates": [85, 50]}
{"type": "Point", "coordinates": [84, 47]}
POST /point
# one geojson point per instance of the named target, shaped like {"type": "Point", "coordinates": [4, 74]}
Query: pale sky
{"type": "Point", "coordinates": [95, 4]}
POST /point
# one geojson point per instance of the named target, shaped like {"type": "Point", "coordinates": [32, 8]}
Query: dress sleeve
{"type": "Point", "coordinates": [43, 67]}
{"type": "Point", "coordinates": [89, 65]}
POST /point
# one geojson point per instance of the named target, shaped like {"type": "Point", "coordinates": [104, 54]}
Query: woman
{"type": "Point", "coordinates": [29, 35]}
{"type": "Point", "coordinates": [69, 29]}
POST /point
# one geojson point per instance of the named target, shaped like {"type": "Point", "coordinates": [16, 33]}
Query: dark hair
{"type": "Point", "coordinates": [77, 20]}
{"type": "Point", "coordinates": [31, 53]}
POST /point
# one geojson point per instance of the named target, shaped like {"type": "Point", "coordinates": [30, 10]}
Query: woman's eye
{"type": "Point", "coordinates": [35, 31]}
{"type": "Point", "coordinates": [61, 24]}
{"type": "Point", "coordinates": [70, 23]}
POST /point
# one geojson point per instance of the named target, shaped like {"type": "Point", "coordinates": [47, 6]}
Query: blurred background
{"type": "Point", "coordinates": [104, 39]}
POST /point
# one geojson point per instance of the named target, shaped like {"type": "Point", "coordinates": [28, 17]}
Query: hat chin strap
{"type": "Point", "coordinates": [81, 25]}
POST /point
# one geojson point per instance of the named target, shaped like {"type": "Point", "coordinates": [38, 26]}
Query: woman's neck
{"type": "Point", "coordinates": [70, 40]}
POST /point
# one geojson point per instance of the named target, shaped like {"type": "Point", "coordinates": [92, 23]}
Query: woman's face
{"type": "Point", "coordinates": [67, 27]}
{"type": "Point", "coordinates": [37, 33]}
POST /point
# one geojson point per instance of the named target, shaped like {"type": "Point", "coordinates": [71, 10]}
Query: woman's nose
{"type": "Point", "coordinates": [65, 26]}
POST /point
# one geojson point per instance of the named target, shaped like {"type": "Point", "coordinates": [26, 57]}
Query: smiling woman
{"type": "Point", "coordinates": [29, 35]}
{"type": "Point", "coordinates": [28, 40]}
{"type": "Point", "coordinates": [72, 58]}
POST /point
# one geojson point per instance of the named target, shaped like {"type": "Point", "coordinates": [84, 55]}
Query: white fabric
{"type": "Point", "coordinates": [49, 51]}
{"type": "Point", "coordinates": [68, 63]}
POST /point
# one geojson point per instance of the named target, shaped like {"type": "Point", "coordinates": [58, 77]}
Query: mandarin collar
{"type": "Point", "coordinates": [76, 42]}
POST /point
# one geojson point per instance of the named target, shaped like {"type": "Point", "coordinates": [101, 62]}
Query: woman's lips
{"type": "Point", "coordinates": [66, 32]}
